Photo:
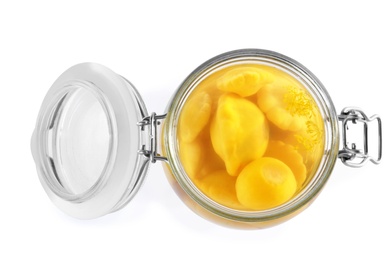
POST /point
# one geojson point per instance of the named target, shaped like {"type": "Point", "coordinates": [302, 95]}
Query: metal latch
{"type": "Point", "coordinates": [351, 155]}
{"type": "Point", "coordinates": [152, 121]}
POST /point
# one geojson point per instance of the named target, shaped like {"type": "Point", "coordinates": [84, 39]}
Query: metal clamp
{"type": "Point", "coordinates": [351, 155]}
{"type": "Point", "coordinates": [152, 121]}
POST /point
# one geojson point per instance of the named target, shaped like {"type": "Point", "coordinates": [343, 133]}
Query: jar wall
{"type": "Point", "coordinates": [220, 220]}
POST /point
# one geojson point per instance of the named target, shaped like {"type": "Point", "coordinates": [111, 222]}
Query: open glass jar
{"type": "Point", "coordinates": [94, 139]}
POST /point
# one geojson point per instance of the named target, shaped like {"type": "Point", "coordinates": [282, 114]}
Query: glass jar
{"type": "Point", "coordinates": [94, 141]}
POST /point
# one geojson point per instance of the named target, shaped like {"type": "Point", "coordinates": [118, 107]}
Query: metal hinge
{"type": "Point", "coordinates": [152, 121]}
{"type": "Point", "coordinates": [351, 155]}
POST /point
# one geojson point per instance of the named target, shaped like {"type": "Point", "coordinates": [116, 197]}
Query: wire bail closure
{"type": "Point", "coordinates": [152, 121]}
{"type": "Point", "coordinates": [351, 155]}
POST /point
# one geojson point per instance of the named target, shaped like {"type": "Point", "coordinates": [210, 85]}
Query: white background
{"type": "Point", "coordinates": [156, 44]}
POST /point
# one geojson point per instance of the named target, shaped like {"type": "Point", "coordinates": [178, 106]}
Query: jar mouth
{"type": "Point", "coordinates": [77, 141]}
{"type": "Point", "coordinates": [300, 73]}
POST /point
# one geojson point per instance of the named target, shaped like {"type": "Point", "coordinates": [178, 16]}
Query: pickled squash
{"type": "Point", "coordinates": [192, 157]}
{"type": "Point", "coordinates": [271, 102]}
{"type": "Point", "coordinates": [244, 81]}
{"type": "Point", "coordinates": [239, 132]}
{"type": "Point", "coordinates": [265, 183]}
{"type": "Point", "coordinates": [199, 108]}
{"type": "Point", "coordinates": [220, 186]}
{"type": "Point", "coordinates": [199, 158]}
{"type": "Point", "coordinates": [290, 156]}
{"type": "Point", "coordinates": [250, 137]}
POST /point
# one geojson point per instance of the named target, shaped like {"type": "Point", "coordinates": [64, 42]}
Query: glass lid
{"type": "Point", "coordinates": [86, 142]}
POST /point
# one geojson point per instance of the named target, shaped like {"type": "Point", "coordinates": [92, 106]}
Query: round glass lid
{"type": "Point", "coordinates": [86, 142]}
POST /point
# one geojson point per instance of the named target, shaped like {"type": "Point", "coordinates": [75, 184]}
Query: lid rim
{"type": "Point", "coordinates": [127, 170]}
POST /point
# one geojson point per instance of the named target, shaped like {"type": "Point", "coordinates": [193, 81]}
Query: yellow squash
{"type": "Point", "coordinates": [239, 132]}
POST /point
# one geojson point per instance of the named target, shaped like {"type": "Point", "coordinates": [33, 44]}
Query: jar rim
{"type": "Point", "coordinates": [297, 70]}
